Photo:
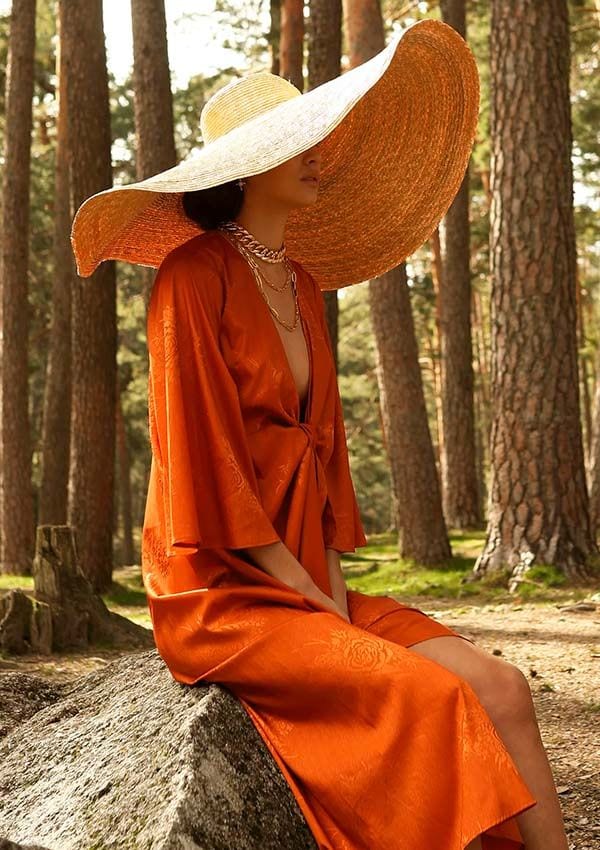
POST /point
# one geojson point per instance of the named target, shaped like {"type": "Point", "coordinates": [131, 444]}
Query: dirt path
{"type": "Point", "coordinates": [557, 649]}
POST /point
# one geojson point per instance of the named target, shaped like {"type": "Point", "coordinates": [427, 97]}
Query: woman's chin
{"type": "Point", "coordinates": [307, 202]}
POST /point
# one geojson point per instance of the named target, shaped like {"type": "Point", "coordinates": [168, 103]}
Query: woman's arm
{"type": "Point", "coordinates": [338, 583]}
{"type": "Point", "coordinates": [277, 560]}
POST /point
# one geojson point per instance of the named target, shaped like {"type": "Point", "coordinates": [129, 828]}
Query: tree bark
{"type": "Point", "coordinates": [421, 526]}
{"type": "Point", "coordinates": [153, 101]}
{"type": "Point", "coordinates": [275, 33]}
{"type": "Point", "coordinates": [291, 42]}
{"type": "Point", "coordinates": [124, 467]}
{"type": "Point", "coordinates": [458, 459]}
{"type": "Point", "coordinates": [16, 498]}
{"type": "Point", "coordinates": [539, 511]}
{"type": "Point", "coordinates": [64, 612]}
{"type": "Point", "coordinates": [94, 332]}
{"type": "Point", "coordinates": [324, 63]}
{"type": "Point", "coordinates": [57, 388]}
{"type": "Point", "coordinates": [594, 458]}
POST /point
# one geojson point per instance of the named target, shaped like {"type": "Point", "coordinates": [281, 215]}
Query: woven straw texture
{"type": "Point", "coordinates": [396, 133]}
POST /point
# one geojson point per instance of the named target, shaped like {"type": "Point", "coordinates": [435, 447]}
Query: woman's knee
{"type": "Point", "coordinates": [505, 693]}
{"type": "Point", "coordinates": [500, 686]}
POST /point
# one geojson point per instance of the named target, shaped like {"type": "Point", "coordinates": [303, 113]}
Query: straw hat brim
{"type": "Point", "coordinates": [396, 133]}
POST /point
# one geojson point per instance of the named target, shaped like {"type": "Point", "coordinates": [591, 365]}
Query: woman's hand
{"type": "Point", "coordinates": [337, 581]}
{"type": "Point", "coordinates": [343, 606]}
{"type": "Point", "coordinates": [314, 592]}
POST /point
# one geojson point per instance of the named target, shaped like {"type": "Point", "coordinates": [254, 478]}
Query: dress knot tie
{"type": "Point", "coordinates": [309, 430]}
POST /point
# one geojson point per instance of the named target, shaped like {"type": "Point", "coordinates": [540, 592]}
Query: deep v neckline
{"type": "Point", "coordinates": [308, 343]}
{"type": "Point", "coordinates": [304, 420]}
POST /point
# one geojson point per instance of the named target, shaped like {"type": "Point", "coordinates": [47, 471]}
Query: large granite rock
{"type": "Point", "coordinates": [126, 757]}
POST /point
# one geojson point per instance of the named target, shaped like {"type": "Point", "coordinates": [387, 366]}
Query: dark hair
{"type": "Point", "coordinates": [211, 207]}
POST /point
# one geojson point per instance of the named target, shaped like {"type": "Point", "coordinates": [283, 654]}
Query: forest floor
{"type": "Point", "coordinates": [555, 641]}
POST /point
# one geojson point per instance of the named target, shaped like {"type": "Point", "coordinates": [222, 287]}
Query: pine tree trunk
{"type": "Point", "coordinates": [364, 30]}
{"type": "Point", "coordinates": [458, 460]}
{"type": "Point", "coordinates": [94, 332]}
{"type": "Point", "coordinates": [539, 510]}
{"type": "Point", "coordinates": [436, 275]}
{"type": "Point", "coordinates": [324, 36]}
{"type": "Point", "coordinates": [594, 458]}
{"type": "Point", "coordinates": [415, 481]}
{"type": "Point", "coordinates": [153, 101]}
{"type": "Point", "coordinates": [291, 42]}
{"type": "Point", "coordinates": [274, 33]}
{"type": "Point", "coordinates": [124, 471]}
{"type": "Point", "coordinates": [57, 388]}
{"type": "Point", "coordinates": [585, 391]}
{"type": "Point", "coordinates": [17, 521]}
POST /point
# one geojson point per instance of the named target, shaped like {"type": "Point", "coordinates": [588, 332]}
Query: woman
{"type": "Point", "coordinates": [391, 729]}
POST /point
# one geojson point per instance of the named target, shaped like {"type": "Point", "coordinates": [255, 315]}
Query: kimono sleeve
{"type": "Point", "coordinates": [342, 526]}
{"type": "Point", "coordinates": [210, 497]}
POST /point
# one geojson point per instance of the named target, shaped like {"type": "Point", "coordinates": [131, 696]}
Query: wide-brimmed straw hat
{"type": "Point", "coordinates": [396, 134]}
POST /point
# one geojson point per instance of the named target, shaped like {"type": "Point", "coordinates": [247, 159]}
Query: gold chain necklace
{"type": "Point", "coordinates": [252, 245]}
{"type": "Point", "coordinates": [270, 255]}
{"type": "Point", "coordinates": [260, 277]}
{"type": "Point", "coordinates": [286, 282]}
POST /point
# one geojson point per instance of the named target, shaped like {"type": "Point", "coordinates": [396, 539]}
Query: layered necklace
{"type": "Point", "coordinates": [250, 248]}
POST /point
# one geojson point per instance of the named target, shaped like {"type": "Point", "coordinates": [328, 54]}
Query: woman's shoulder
{"type": "Point", "coordinates": [196, 268]}
{"type": "Point", "coordinates": [204, 252]}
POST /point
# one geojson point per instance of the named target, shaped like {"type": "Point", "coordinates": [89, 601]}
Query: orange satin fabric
{"type": "Point", "coordinates": [383, 749]}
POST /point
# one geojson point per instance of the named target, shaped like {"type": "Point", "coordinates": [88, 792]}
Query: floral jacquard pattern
{"type": "Point", "coordinates": [154, 556]}
{"type": "Point", "coordinates": [360, 653]}
{"type": "Point", "coordinates": [169, 338]}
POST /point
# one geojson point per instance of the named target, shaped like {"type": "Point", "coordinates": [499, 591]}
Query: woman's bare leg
{"type": "Point", "coordinates": [474, 845]}
{"type": "Point", "coordinates": [542, 826]}
{"type": "Point", "coordinates": [504, 692]}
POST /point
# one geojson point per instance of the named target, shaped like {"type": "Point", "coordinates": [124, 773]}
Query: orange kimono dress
{"type": "Point", "coordinates": [383, 749]}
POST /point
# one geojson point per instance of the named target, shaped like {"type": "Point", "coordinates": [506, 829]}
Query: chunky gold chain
{"type": "Point", "coordinates": [261, 279]}
{"type": "Point", "coordinates": [270, 255]}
